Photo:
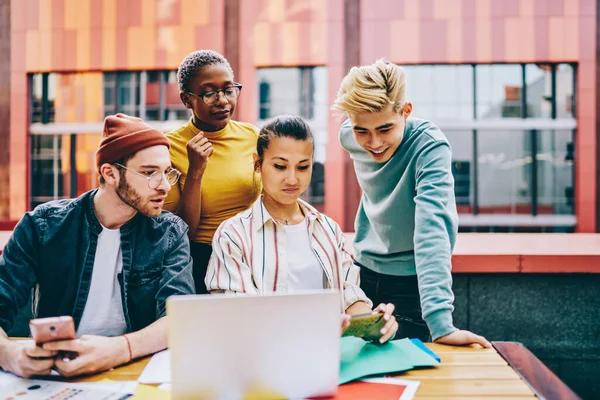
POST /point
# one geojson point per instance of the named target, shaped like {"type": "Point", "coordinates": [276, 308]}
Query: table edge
{"type": "Point", "coordinates": [540, 379]}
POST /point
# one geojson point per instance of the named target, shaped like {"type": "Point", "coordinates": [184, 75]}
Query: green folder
{"type": "Point", "coordinates": [359, 359]}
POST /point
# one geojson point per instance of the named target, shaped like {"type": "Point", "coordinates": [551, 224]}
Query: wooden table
{"type": "Point", "coordinates": [509, 371]}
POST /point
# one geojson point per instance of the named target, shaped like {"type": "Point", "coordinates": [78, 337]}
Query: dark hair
{"type": "Point", "coordinates": [195, 61]}
{"type": "Point", "coordinates": [289, 126]}
{"type": "Point", "coordinates": [123, 162]}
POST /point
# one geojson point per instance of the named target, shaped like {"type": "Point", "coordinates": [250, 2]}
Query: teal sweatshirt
{"type": "Point", "coordinates": [407, 222]}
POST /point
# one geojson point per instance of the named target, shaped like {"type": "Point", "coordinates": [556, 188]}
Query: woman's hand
{"type": "Point", "coordinates": [388, 331]}
{"type": "Point", "coordinates": [199, 149]}
{"type": "Point", "coordinates": [345, 320]}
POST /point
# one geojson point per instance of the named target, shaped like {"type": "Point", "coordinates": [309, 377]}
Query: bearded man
{"type": "Point", "coordinates": [109, 259]}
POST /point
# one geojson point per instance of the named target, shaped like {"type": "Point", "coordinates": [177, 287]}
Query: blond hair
{"type": "Point", "coordinates": [371, 88]}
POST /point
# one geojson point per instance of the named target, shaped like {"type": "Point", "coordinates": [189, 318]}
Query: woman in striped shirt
{"type": "Point", "coordinates": [282, 244]}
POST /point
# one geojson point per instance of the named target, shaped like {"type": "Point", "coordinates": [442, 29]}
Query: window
{"type": "Point", "coordinates": [128, 93]}
{"type": "Point", "coordinates": [499, 90]}
{"type": "Point", "coordinates": [299, 91]}
{"type": "Point", "coordinates": [511, 129]}
{"type": "Point", "coordinates": [46, 166]}
{"type": "Point", "coordinates": [264, 90]}
{"type": "Point", "coordinates": [122, 93]}
{"type": "Point", "coordinates": [174, 109]}
{"type": "Point", "coordinates": [46, 160]}
{"type": "Point", "coordinates": [462, 182]}
{"type": "Point", "coordinates": [110, 93]}
{"type": "Point", "coordinates": [440, 92]}
{"type": "Point", "coordinates": [43, 95]}
{"type": "Point", "coordinates": [63, 164]}
{"type": "Point", "coordinates": [150, 95]}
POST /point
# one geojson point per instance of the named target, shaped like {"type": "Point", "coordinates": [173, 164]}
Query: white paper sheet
{"type": "Point", "coordinates": [166, 386]}
{"type": "Point", "coordinates": [158, 369]}
{"type": "Point", "coordinates": [31, 389]}
{"type": "Point", "coordinates": [409, 392]}
{"type": "Point", "coordinates": [6, 378]}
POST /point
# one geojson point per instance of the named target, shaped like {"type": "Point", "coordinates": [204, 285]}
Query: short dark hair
{"type": "Point", "coordinates": [289, 126]}
{"type": "Point", "coordinates": [123, 162]}
{"type": "Point", "coordinates": [194, 62]}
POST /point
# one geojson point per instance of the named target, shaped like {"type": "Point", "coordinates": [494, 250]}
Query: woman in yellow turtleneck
{"type": "Point", "coordinates": [213, 152]}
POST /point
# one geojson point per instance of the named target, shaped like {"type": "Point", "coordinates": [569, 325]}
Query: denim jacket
{"type": "Point", "coordinates": [54, 247]}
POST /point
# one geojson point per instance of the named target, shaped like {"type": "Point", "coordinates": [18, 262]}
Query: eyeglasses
{"type": "Point", "coordinates": [211, 98]}
{"type": "Point", "coordinates": [156, 177]}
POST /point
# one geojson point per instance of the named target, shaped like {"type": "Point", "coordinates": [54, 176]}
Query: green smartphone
{"type": "Point", "coordinates": [362, 324]}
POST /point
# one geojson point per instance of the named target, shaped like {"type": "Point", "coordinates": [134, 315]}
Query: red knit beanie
{"type": "Point", "coordinates": [124, 136]}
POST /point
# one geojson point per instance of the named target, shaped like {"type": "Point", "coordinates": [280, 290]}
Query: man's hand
{"type": "Point", "coordinates": [27, 359]}
{"type": "Point", "coordinates": [389, 329]}
{"type": "Point", "coordinates": [94, 354]}
{"type": "Point", "coordinates": [199, 149]}
{"type": "Point", "coordinates": [462, 338]}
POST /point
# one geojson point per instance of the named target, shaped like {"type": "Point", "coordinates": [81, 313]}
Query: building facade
{"type": "Point", "coordinates": [512, 83]}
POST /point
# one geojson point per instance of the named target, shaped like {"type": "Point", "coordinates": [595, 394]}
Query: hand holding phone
{"type": "Point", "coordinates": [363, 324]}
{"type": "Point", "coordinates": [45, 330]}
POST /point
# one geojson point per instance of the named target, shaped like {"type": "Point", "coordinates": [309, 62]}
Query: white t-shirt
{"type": "Point", "coordinates": [103, 314]}
{"type": "Point", "coordinates": [305, 272]}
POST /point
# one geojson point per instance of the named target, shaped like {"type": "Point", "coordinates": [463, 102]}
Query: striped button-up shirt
{"type": "Point", "coordinates": [249, 255]}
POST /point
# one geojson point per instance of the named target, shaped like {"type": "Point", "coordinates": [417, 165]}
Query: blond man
{"type": "Point", "coordinates": [407, 222]}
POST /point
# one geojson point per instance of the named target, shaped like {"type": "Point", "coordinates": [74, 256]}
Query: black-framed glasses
{"type": "Point", "coordinates": [156, 177]}
{"type": "Point", "coordinates": [210, 98]}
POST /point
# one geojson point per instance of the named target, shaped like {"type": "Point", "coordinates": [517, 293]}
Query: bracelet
{"type": "Point", "coordinates": [129, 347]}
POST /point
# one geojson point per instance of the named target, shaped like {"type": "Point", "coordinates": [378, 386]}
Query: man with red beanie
{"type": "Point", "coordinates": [109, 259]}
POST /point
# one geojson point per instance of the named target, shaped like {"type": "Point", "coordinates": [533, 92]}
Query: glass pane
{"type": "Point", "coordinates": [264, 95]}
{"type": "Point", "coordinates": [42, 146]}
{"type": "Point", "coordinates": [152, 91]}
{"type": "Point", "coordinates": [539, 90]}
{"type": "Point", "coordinates": [124, 79]}
{"type": "Point", "coordinates": [124, 97]}
{"type": "Point", "coordinates": [153, 76]}
{"type": "Point", "coordinates": [152, 115]}
{"type": "Point", "coordinates": [555, 172]}
{"type": "Point", "coordinates": [564, 91]}
{"type": "Point", "coordinates": [87, 176]}
{"type": "Point", "coordinates": [51, 97]}
{"type": "Point", "coordinates": [110, 93]}
{"type": "Point", "coordinates": [110, 79]}
{"type": "Point", "coordinates": [504, 163]}
{"type": "Point", "coordinates": [284, 84]}
{"type": "Point", "coordinates": [172, 90]}
{"type": "Point", "coordinates": [128, 90]}
{"type": "Point", "coordinates": [36, 98]}
{"type": "Point", "coordinates": [43, 168]}
{"type": "Point", "coordinates": [177, 114]}
{"type": "Point", "coordinates": [319, 102]}
{"type": "Point", "coordinates": [499, 91]}
{"type": "Point", "coordinates": [109, 97]}
{"type": "Point", "coordinates": [462, 161]}
{"type": "Point", "coordinates": [440, 91]}
{"type": "Point", "coordinates": [315, 193]}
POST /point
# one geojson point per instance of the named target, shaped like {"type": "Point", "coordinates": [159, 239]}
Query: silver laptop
{"type": "Point", "coordinates": [259, 347]}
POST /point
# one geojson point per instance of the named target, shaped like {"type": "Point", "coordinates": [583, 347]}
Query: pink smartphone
{"type": "Point", "coordinates": [50, 329]}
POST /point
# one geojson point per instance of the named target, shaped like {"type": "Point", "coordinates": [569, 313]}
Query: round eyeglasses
{"type": "Point", "coordinates": [212, 97]}
{"type": "Point", "coordinates": [155, 178]}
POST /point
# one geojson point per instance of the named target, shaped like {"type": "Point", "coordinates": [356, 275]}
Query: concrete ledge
{"type": "Point", "coordinates": [511, 252]}
{"type": "Point", "coordinates": [524, 252]}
